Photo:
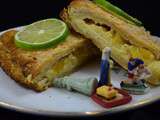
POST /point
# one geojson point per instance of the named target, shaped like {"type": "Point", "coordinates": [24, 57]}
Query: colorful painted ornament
{"type": "Point", "coordinates": [137, 73]}
{"type": "Point", "coordinates": [106, 95]}
{"type": "Point", "coordinates": [120, 98]}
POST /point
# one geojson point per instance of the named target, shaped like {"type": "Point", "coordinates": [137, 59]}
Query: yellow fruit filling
{"type": "Point", "coordinates": [130, 50]}
{"type": "Point", "coordinates": [65, 65]}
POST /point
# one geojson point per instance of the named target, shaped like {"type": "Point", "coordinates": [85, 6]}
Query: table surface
{"type": "Point", "coordinates": [17, 13]}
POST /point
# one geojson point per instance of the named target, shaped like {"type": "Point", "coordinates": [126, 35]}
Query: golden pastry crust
{"type": "Point", "coordinates": [8, 63]}
{"type": "Point", "coordinates": [27, 67]}
{"type": "Point", "coordinates": [79, 10]}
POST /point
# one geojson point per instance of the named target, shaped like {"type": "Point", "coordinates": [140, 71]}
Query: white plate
{"type": "Point", "coordinates": [59, 102]}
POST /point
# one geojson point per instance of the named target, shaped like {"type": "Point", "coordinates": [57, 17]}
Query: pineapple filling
{"type": "Point", "coordinates": [112, 37]}
{"type": "Point", "coordinates": [67, 64]}
{"type": "Point", "coordinates": [133, 51]}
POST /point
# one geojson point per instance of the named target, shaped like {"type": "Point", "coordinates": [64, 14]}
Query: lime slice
{"type": "Point", "coordinates": [117, 11]}
{"type": "Point", "coordinates": [42, 34]}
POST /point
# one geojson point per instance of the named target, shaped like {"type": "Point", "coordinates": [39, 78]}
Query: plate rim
{"type": "Point", "coordinates": [78, 114]}
{"type": "Point", "coordinates": [74, 114]}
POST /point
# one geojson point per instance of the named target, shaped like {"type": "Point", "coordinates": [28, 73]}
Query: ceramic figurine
{"type": "Point", "coordinates": [137, 73]}
{"type": "Point", "coordinates": [106, 95]}
{"type": "Point", "coordinates": [82, 85]}
{"type": "Point", "coordinates": [105, 68]}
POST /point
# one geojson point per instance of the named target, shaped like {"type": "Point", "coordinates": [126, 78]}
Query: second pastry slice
{"type": "Point", "coordinates": [108, 30]}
